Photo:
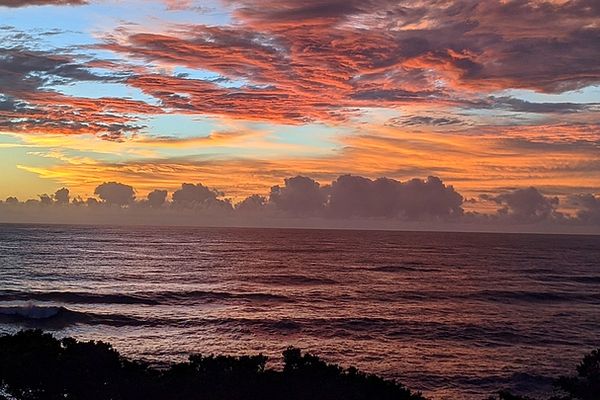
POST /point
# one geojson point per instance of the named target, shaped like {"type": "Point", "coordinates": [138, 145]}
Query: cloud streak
{"type": "Point", "coordinates": [298, 62]}
{"type": "Point", "coordinates": [289, 54]}
{"type": "Point", "coordinates": [26, 3]}
{"type": "Point", "coordinates": [374, 53]}
{"type": "Point", "coordinates": [29, 104]}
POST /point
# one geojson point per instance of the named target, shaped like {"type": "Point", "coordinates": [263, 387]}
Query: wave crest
{"type": "Point", "coordinates": [32, 312]}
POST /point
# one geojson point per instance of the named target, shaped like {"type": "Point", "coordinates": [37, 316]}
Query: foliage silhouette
{"type": "Point", "coordinates": [583, 386]}
{"type": "Point", "coordinates": [586, 384]}
{"type": "Point", "coordinates": [36, 366]}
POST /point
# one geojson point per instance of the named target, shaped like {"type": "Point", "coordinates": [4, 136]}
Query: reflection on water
{"type": "Point", "coordinates": [455, 315]}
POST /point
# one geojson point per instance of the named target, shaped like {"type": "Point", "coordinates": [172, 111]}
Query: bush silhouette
{"type": "Point", "coordinates": [583, 386]}
{"type": "Point", "coordinates": [36, 366]}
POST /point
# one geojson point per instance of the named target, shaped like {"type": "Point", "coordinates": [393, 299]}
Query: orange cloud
{"type": "Point", "coordinates": [323, 61]}
{"type": "Point", "coordinates": [428, 66]}
{"type": "Point", "coordinates": [494, 159]}
{"type": "Point", "coordinates": [307, 61]}
{"type": "Point", "coordinates": [54, 113]}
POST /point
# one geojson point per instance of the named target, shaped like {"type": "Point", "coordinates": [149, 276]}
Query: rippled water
{"type": "Point", "coordinates": [456, 315]}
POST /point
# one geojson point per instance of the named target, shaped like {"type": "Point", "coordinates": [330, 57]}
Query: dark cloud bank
{"type": "Point", "coordinates": [348, 202]}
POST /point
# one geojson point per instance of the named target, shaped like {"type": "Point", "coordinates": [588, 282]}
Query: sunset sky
{"type": "Point", "coordinates": [489, 96]}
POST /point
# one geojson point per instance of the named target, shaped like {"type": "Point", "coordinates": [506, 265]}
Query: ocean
{"type": "Point", "coordinates": [455, 315]}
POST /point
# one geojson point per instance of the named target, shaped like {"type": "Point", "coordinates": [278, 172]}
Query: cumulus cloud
{"type": "Point", "coordinates": [61, 196]}
{"type": "Point", "coordinates": [252, 204]}
{"type": "Point", "coordinates": [349, 201]}
{"type": "Point", "coordinates": [92, 202]}
{"type": "Point", "coordinates": [589, 207]}
{"type": "Point", "coordinates": [526, 205]}
{"type": "Point", "coordinates": [157, 198]}
{"type": "Point", "coordinates": [198, 196]}
{"type": "Point", "coordinates": [45, 200]}
{"type": "Point", "coordinates": [355, 196]}
{"type": "Point", "coordinates": [299, 195]}
{"type": "Point", "coordinates": [351, 196]}
{"type": "Point", "coordinates": [114, 193]}
{"type": "Point", "coordinates": [12, 200]}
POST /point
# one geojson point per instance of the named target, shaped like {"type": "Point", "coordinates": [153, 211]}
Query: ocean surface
{"type": "Point", "coordinates": [455, 315]}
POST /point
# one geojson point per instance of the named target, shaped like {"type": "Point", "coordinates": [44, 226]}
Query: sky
{"type": "Point", "coordinates": [495, 101]}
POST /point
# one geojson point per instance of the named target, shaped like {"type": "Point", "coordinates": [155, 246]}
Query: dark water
{"type": "Point", "coordinates": [454, 315]}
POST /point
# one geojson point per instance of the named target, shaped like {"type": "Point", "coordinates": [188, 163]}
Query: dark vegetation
{"type": "Point", "coordinates": [36, 366]}
{"type": "Point", "coordinates": [585, 385]}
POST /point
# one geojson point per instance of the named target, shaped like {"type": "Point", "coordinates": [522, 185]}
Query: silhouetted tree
{"type": "Point", "coordinates": [586, 384]}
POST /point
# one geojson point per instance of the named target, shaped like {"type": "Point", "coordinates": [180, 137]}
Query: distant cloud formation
{"type": "Point", "coordinates": [157, 198]}
{"type": "Point", "coordinates": [252, 205]}
{"type": "Point", "coordinates": [589, 207]}
{"type": "Point", "coordinates": [197, 196]}
{"type": "Point", "coordinates": [352, 201]}
{"type": "Point", "coordinates": [114, 193]}
{"type": "Point", "coordinates": [526, 205]}
{"type": "Point", "coordinates": [62, 196]}
{"type": "Point", "coordinates": [299, 196]}
{"type": "Point", "coordinates": [351, 196]}
{"type": "Point", "coordinates": [355, 196]}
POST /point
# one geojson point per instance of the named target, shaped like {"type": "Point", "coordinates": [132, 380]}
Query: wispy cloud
{"type": "Point", "coordinates": [26, 3]}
